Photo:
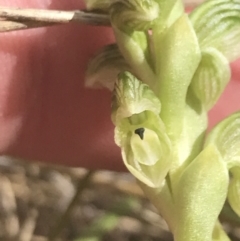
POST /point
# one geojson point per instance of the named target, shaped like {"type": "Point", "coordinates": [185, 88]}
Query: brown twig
{"type": "Point", "coordinates": [7, 26]}
{"type": "Point", "coordinates": [16, 18]}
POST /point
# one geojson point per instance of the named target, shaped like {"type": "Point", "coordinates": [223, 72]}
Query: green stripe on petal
{"type": "Point", "coordinates": [131, 96]}
{"type": "Point", "coordinates": [104, 67]}
{"type": "Point", "coordinates": [211, 77]}
{"type": "Point", "coordinates": [226, 137]}
{"type": "Point", "coordinates": [134, 14]}
{"type": "Point", "coordinates": [217, 24]}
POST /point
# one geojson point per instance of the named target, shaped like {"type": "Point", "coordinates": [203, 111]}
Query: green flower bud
{"type": "Point", "coordinates": [211, 77]}
{"type": "Point", "coordinates": [226, 137]}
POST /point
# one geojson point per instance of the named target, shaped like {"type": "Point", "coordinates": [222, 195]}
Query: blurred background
{"type": "Point", "coordinates": [39, 202]}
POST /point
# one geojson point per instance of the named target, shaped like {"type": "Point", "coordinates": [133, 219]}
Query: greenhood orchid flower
{"type": "Point", "coordinates": [140, 131]}
{"type": "Point", "coordinates": [170, 68]}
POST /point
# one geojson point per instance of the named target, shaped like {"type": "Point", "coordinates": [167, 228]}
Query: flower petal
{"type": "Point", "coordinates": [217, 24]}
{"type": "Point", "coordinates": [104, 67]}
{"type": "Point", "coordinates": [134, 14]}
{"type": "Point", "coordinates": [131, 96]}
{"type": "Point", "coordinates": [226, 137]}
{"type": "Point", "coordinates": [211, 77]}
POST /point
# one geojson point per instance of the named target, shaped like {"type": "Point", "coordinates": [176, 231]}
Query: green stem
{"type": "Point", "coordinates": [162, 199]}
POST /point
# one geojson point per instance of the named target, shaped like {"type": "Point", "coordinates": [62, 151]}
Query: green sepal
{"type": "Point", "coordinates": [217, 24]}
{"type": "Point", "coordinates": [104, 67]}
{"type": "Point", "coordinates": [134, 15]}
{"type": "Point", "coordinates": [211, 77]}
{"type": "Point", "coordinates": [200, 195]}
{"type": "Point", "coordinates": [145, 14]}
{"type": "Point", "coordinates": [226, 137]}
{"type": "Point", "coordinates": [131, 97]}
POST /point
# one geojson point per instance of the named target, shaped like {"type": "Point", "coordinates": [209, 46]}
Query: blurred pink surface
{"type": "Point", "coordinates": [46, 114]}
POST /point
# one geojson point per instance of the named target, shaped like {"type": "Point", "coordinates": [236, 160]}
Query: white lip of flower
{"type": "Point", "coordinates": [146, 148]}
{"type": "Point", "coordinates": [146, 154]}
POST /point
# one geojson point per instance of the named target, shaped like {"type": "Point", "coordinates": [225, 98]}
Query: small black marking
{"type": "Point", "coordinates": [140, 132]}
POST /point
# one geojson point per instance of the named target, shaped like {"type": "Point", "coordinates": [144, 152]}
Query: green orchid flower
{"type": "Point", "coordinates": [170, 70]}
{"type": "Point", "coordinates": [139, 130]}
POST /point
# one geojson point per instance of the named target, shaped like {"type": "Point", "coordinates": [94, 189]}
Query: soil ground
{"type": "Point", "coordinates": [109, 206]}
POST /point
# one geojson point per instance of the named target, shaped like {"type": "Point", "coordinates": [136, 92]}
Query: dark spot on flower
{"type": "Point", "coordinates": [140, 132]}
